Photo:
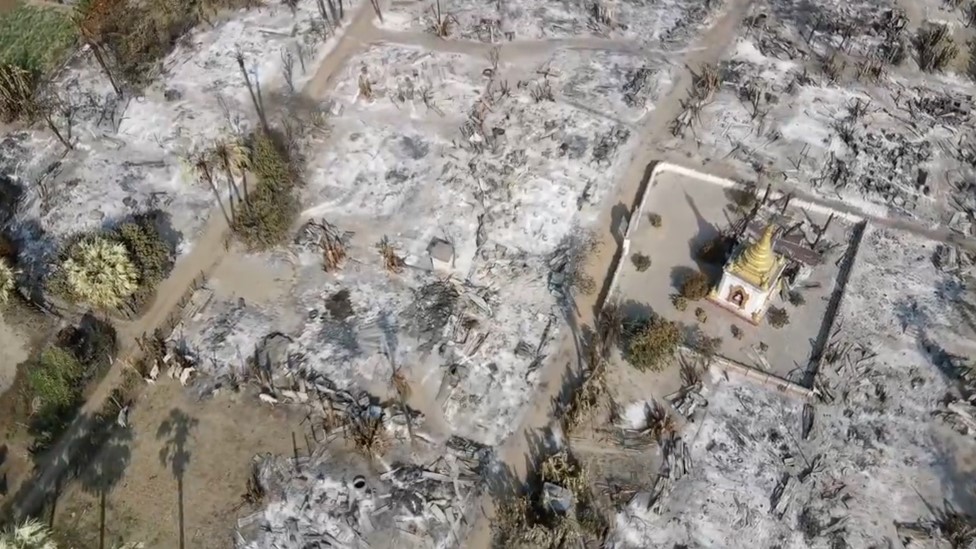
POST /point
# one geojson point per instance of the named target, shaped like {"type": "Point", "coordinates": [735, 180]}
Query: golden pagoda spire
{"type": "Point", "coordinates": [757, 262]}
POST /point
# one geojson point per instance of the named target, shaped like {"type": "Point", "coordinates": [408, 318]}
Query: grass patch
{"type": "Point", "coordinates": [58, 376]}
{"type": "Point", "coordinates": [271, 207]}
{"type": "Point", "coordinates": [35, 38]}
{"type": "Point", "coordinates": [33, 41]}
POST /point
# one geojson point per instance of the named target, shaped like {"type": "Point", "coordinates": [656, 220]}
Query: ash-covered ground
{"type": "Point", "coordinates": [808, 97]}
{"type": "Point", "coordinates": [880, 446]}
{"type": "Point", "coordinates": [481, 155]}
{"type": "Point", "coordinates": [650, 24]}
{"type": "Point", "coordinates": [133, 154]}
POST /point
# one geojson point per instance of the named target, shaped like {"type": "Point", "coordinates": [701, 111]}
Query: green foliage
{"type": "Point", "coordinates": [680, 302]}
{"type": "Point", "coordinates": [696, 286]}
{"type": "Point", "coordinates": [652, 345]}
{"type": "Point", "coordinates": [777, 317]}
{"type": "Point", "coordinates": [654, 219]}
{"type": "Point", "coordinates": [641, 262]}
{"type": "Point", "coordinates": [271, 163]}
{"type": "Point", "coordinates": [267, 217]}
{"type": "Point", "coordinates": [270, 209]}
{"type": "Point", "coordinates": [99, 271]}
{"type": "Point", "coordinates": [152, 256]}
{"type": "Point", "coordinates": [7, 280]}
{"type": "Point", "coordinates": [35, 38]}
{"type": "Point", "coordinates": [701, 315]}
{"type": "Point", "coordinates": [52, 378]}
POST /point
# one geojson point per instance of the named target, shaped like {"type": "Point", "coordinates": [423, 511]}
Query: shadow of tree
{"type": "Point", "coordinates": [102, 461]}
{"type": "Point", "coordinates": [177, 429]}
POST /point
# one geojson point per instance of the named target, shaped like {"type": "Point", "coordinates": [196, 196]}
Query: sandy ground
{"type": "Point", "coordinates": [13, 351]}
{"type": "Point", "coordinates": [223, 434]}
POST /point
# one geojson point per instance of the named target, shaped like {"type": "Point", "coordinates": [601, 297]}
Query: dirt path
{"type": "Point", "coordinates": [206, 254]}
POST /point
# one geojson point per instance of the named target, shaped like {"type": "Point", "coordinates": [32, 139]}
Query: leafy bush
{"type": "Point", "coordinates": [696, 286]}
{"type": "Point", "coordinates": [99, 271]}
{"type": "Point", "coordinates": [651, 346]}
{"type": "Point", "coordinates": [7, 280]}
{"type": "Point", "coordinates": [641, 262]}
{"type": "Point", "coordinates": [271, 208]}
{"type": "Point", "coordinates": [53, 377]}
{"type": "Point", "coordinates": [654, 219]}
{"type": "Point", "coordinates": [151, 254]}
{"type": "Point", "coordinates": [680, 303]}
{"type": "Point", "coordinates": [701, 315]}
{"type": "Point", "coordinates": [777, 317]}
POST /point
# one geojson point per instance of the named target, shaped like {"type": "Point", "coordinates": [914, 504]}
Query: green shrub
{"type": "Point", "coordinates": [270, 162]}
{"type": "Point", "coordinates": [654, 219]}
{"type": "Point", "coordinates": [641, 262]}
{"type": "Point", "coordinates": [653, 345]}
{"type": "Point", "coordinates": [777, 317]}
{"type": "Point", "coordinates": [267, 217]}
{"type": "Point", "coordinates": [53, 379]}
{"type": "Point", "coordinates": [701, 315]}
{"type": "Point", "coordinates": [152, 256]}
{"type": "Point", "coordinates": [270, 209]}
{"type": "Point", "coordinates": [679, 302]}
{"type": "Point", "coordinates": [696, 286]}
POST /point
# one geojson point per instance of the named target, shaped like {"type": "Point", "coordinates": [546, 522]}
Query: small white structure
{"type": "Point", "coordinates": [441, 253]}
{"type": "Point", "coordinates": [750, 278]}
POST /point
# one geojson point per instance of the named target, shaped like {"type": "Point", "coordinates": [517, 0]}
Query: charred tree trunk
{"type": "Point", "coordinates": [208, 177]}
{"type": "Point", "coordinates": [254, 97]}
{"type": "Point", "coordinates": [100, 58]}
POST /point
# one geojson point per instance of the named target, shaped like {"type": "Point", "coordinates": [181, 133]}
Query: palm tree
{"type": "Point", "coordinates": [32, 534]}
{"type": "Point", "coordinates": [234, 159]}
{"type": "Point", "coordinates": [100, 272]}
{"type": "Point", "coordinates": [200, 164]}
{"type": "Point", "coordinates": [7, 274]}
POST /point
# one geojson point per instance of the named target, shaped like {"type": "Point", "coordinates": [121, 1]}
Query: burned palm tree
{"type": "Point", "coordinates": [233, 159]}
{"type": "Point", "coordinates": [391, 261]}
{"type": "Point", "coordinates": [200, 165]}
{"type": "Point", "coordinates": [333, 248]}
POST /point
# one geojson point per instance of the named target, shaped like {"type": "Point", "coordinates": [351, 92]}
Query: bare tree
{"type": "Point", "coordinates": [255, 97]}
{"type": "Point", "coordinates": [376, 8]}
{"type": "Point", "coordinates": [88, 17]}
